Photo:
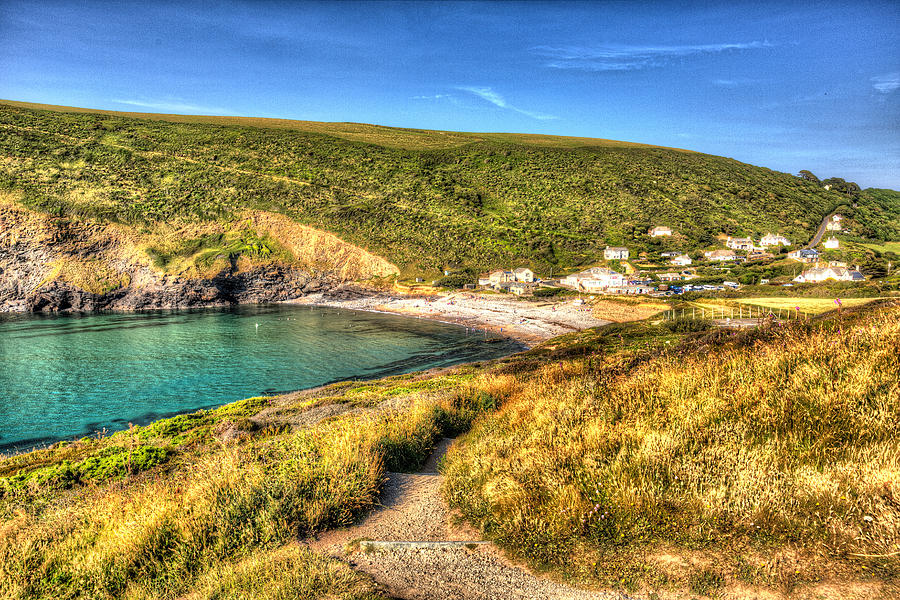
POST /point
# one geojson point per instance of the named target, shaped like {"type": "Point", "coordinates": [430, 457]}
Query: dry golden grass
{"type": "Point", "coordinates": [764, 460]}
{"type": "Point", "coordinates": [626, 309]}
{"type": "Point", "coordinates": [321, 251]}
{"type": "Point", "coordinates": [221, 521]}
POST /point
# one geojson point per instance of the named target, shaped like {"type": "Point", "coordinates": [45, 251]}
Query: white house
{"type": "Point", "coordinates": [739, 243]}
{"type": "Point", "coordinates": [523, 275]}
{"type": "Point", "coordinates": [670, 254]}
{"type": "Point", "coordinates": [773, 240]}
{"type": "Point", "coordinates": [500, 276]}
{"type": "Point", "coordinates": [804, 255]}
{"type": "Point", "coordinates": [682, 261]}
{"type": "Point", "coordinates": [832, 243]}
{"type": "Point", "coordinates": [659, 230]}
{"type": "Point", "coordinates": [615, 253]}
{"type": "Point", "coordinates": [594, 279]}
{"type": "Point", "coordinates": [833, 225]}
{"type": "Point", "coordinates": [720, 255]}
{"type": "Point", "coordinates": [818, 274]}
{"type": "Point", "coordinates": [670, 276]}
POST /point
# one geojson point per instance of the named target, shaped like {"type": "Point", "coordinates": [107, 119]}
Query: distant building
{"type": "Point", "coordinates": [804, 255]}
{"type": "Point", "coordinates": [818, 274]}
{"type": "Point", "coordinates": [594, 279]}
{"type": "Point", "coordinates": [739, 243]}
{"type": "Point", "coordinates": [670, 254]}
{"type": "Point", "coordinates": [670, 276]}
{"type": "Point", "coordinates": [832, 243]}
{"type": "Point", "coordinates": [631, 289]}
{"type": "Point", "coordinates": [615, 253]}
{"type": "Point", "coordinates": [682, 260]}
{"type": "Point", "coordinates": [833, 225]}
{"type": "Point", "coordinates": [771, 239]}
{"type": "Point", "coordinates": [501, 276]}
{"type": "Point", "coordinates": [523, 274]}
{"type": "Point", "coordinates": [720, 255]}
{"type": "Point", "coordinates": [659, 231]}
{"type": "Point", "coordinates": [520, 289]}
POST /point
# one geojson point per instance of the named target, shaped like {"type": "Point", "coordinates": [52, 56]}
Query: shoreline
{"type": "Point", "coordinates": [528, 323]}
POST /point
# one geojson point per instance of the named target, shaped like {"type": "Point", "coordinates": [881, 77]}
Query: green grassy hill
{"type": "Point", "coordinates": [421, 199]}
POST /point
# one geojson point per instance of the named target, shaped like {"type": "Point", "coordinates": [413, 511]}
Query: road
{"type": "Point", "coordinates": [821, 231]}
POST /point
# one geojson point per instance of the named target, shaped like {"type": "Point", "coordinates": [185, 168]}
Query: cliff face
{"type": "Point", "coordinates": [50, 264]}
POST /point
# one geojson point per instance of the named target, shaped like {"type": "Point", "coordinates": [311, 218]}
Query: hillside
{"type": "Point", "coordinates": [422, 200]}
{"type": "Point", "coordinates": [632, 457]}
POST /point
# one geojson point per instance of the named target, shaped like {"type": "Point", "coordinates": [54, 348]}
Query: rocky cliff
{"type": "Point", "coordinates": [50, 264]}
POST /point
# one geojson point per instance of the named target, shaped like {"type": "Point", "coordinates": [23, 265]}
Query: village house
{"type": "Point", "coordinates": [631, 289]}
{"type": "Point", "coordinates": [659, 231]}
{"type": "Point", "coordinates": [682, 260]}
{"type": "Point", "coordinates": [818, 274]}
{"type": "Point", "coordinates": [670, 276]}
{"type": "Point", "coordinates": [523, 275]}
{"type": "Point", "coordinates": [771, 239]}
{"type": "Point", "coordinates": [593, 279]}
{"type": "Point", "coordinates": [521, 289]}
{"type": "Point", "coordinates": [615, 253]}
{"type": "Point", "coordinates": [670, 254]}
{"type": "Point", "coordinates": [807, 255]}
{"type": "Point", "coordinates": [720, 255]}
{"type": "Point", "coordinates": [832, 243]}
{"type": "Point", "coordinates": [834, 223]}
{"type": "Point", "coordinates": [739, 243]}
{"type": "Point", "coordinates": [499, 276]}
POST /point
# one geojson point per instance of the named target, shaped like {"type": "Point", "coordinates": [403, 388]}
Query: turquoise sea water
{"type": "Point", "coordinates": [70, 376]}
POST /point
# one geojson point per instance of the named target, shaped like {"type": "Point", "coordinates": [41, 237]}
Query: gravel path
{"type": "Point", "coordinates": [413, 510]}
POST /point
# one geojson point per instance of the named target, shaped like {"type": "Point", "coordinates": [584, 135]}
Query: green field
{"type": "Point", "coordinates": [424, 200]}
{"type": "Point", "coordinates": [884, 247]}
{"type": "Point", "coordinates": [810, 306]}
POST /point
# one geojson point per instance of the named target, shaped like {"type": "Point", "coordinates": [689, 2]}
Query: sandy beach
{"type": "Point", "coordinates": [526, 321]}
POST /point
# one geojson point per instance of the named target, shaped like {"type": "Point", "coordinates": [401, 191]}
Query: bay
{"type": "Point", "coordinates": [67, 376]}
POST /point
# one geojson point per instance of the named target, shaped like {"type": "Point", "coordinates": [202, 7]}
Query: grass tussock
{"type": "Point", "coordinates": [766, 459]}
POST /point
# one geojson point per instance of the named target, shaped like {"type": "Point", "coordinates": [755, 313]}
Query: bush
{"type": "Point", "coordinates": [687, 325]}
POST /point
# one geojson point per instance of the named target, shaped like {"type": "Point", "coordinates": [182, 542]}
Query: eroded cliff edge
{"type": "Point", "coordinates": [50, 263]}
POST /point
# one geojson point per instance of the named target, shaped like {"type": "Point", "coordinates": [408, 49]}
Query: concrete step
{"type": "Point", "coordinates": [382, 546]}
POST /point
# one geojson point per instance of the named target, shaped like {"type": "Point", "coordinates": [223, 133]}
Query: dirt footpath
{"type": "Point", "coordinates": [432, 560]}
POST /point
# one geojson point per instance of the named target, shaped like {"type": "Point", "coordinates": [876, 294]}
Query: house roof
{"type": "Point", "coordinates": [617, 248]}
{"type": "Point", "coordinates": [722, 253]}
{"type": "Point", "coordinates": [522, 270]}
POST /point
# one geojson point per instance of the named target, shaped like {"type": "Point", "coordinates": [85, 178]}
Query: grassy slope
{"type": "Point", "coordinates": [628, 456]}
{"type": "Point", "coordinates": [421, 199]}
{"type": "Point", "coordinates": [731, 464]}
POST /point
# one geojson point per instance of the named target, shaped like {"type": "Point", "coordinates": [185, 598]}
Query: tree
{"type": "Point", "coordinates": [808, 176]}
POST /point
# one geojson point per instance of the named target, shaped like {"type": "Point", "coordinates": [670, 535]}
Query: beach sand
{"type": "Point", "coordinates": [529, 322]}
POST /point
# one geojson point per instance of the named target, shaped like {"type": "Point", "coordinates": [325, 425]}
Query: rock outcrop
{"type": "Point", "coordinates": [263, 284]}
{"type": "Point", "coordinates": [50, 264]}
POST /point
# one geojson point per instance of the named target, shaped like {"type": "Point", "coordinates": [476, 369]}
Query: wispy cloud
{"type": "Point", "coordinates": [432, 97]}
{"type": "Point", "coordinates": [177, 107]}
{"type": "Point", "coordinates": [886, 83]}
{"type": "Point", "coordinates": [732, 83]}
{"type": "Point", "coordinates": [615, 57]}
{"type": "Point", "coordinates": [486, 93]}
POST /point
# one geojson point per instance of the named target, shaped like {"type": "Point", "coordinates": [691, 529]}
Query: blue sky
{"type": "Point", "coordinates": [784, 85]}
